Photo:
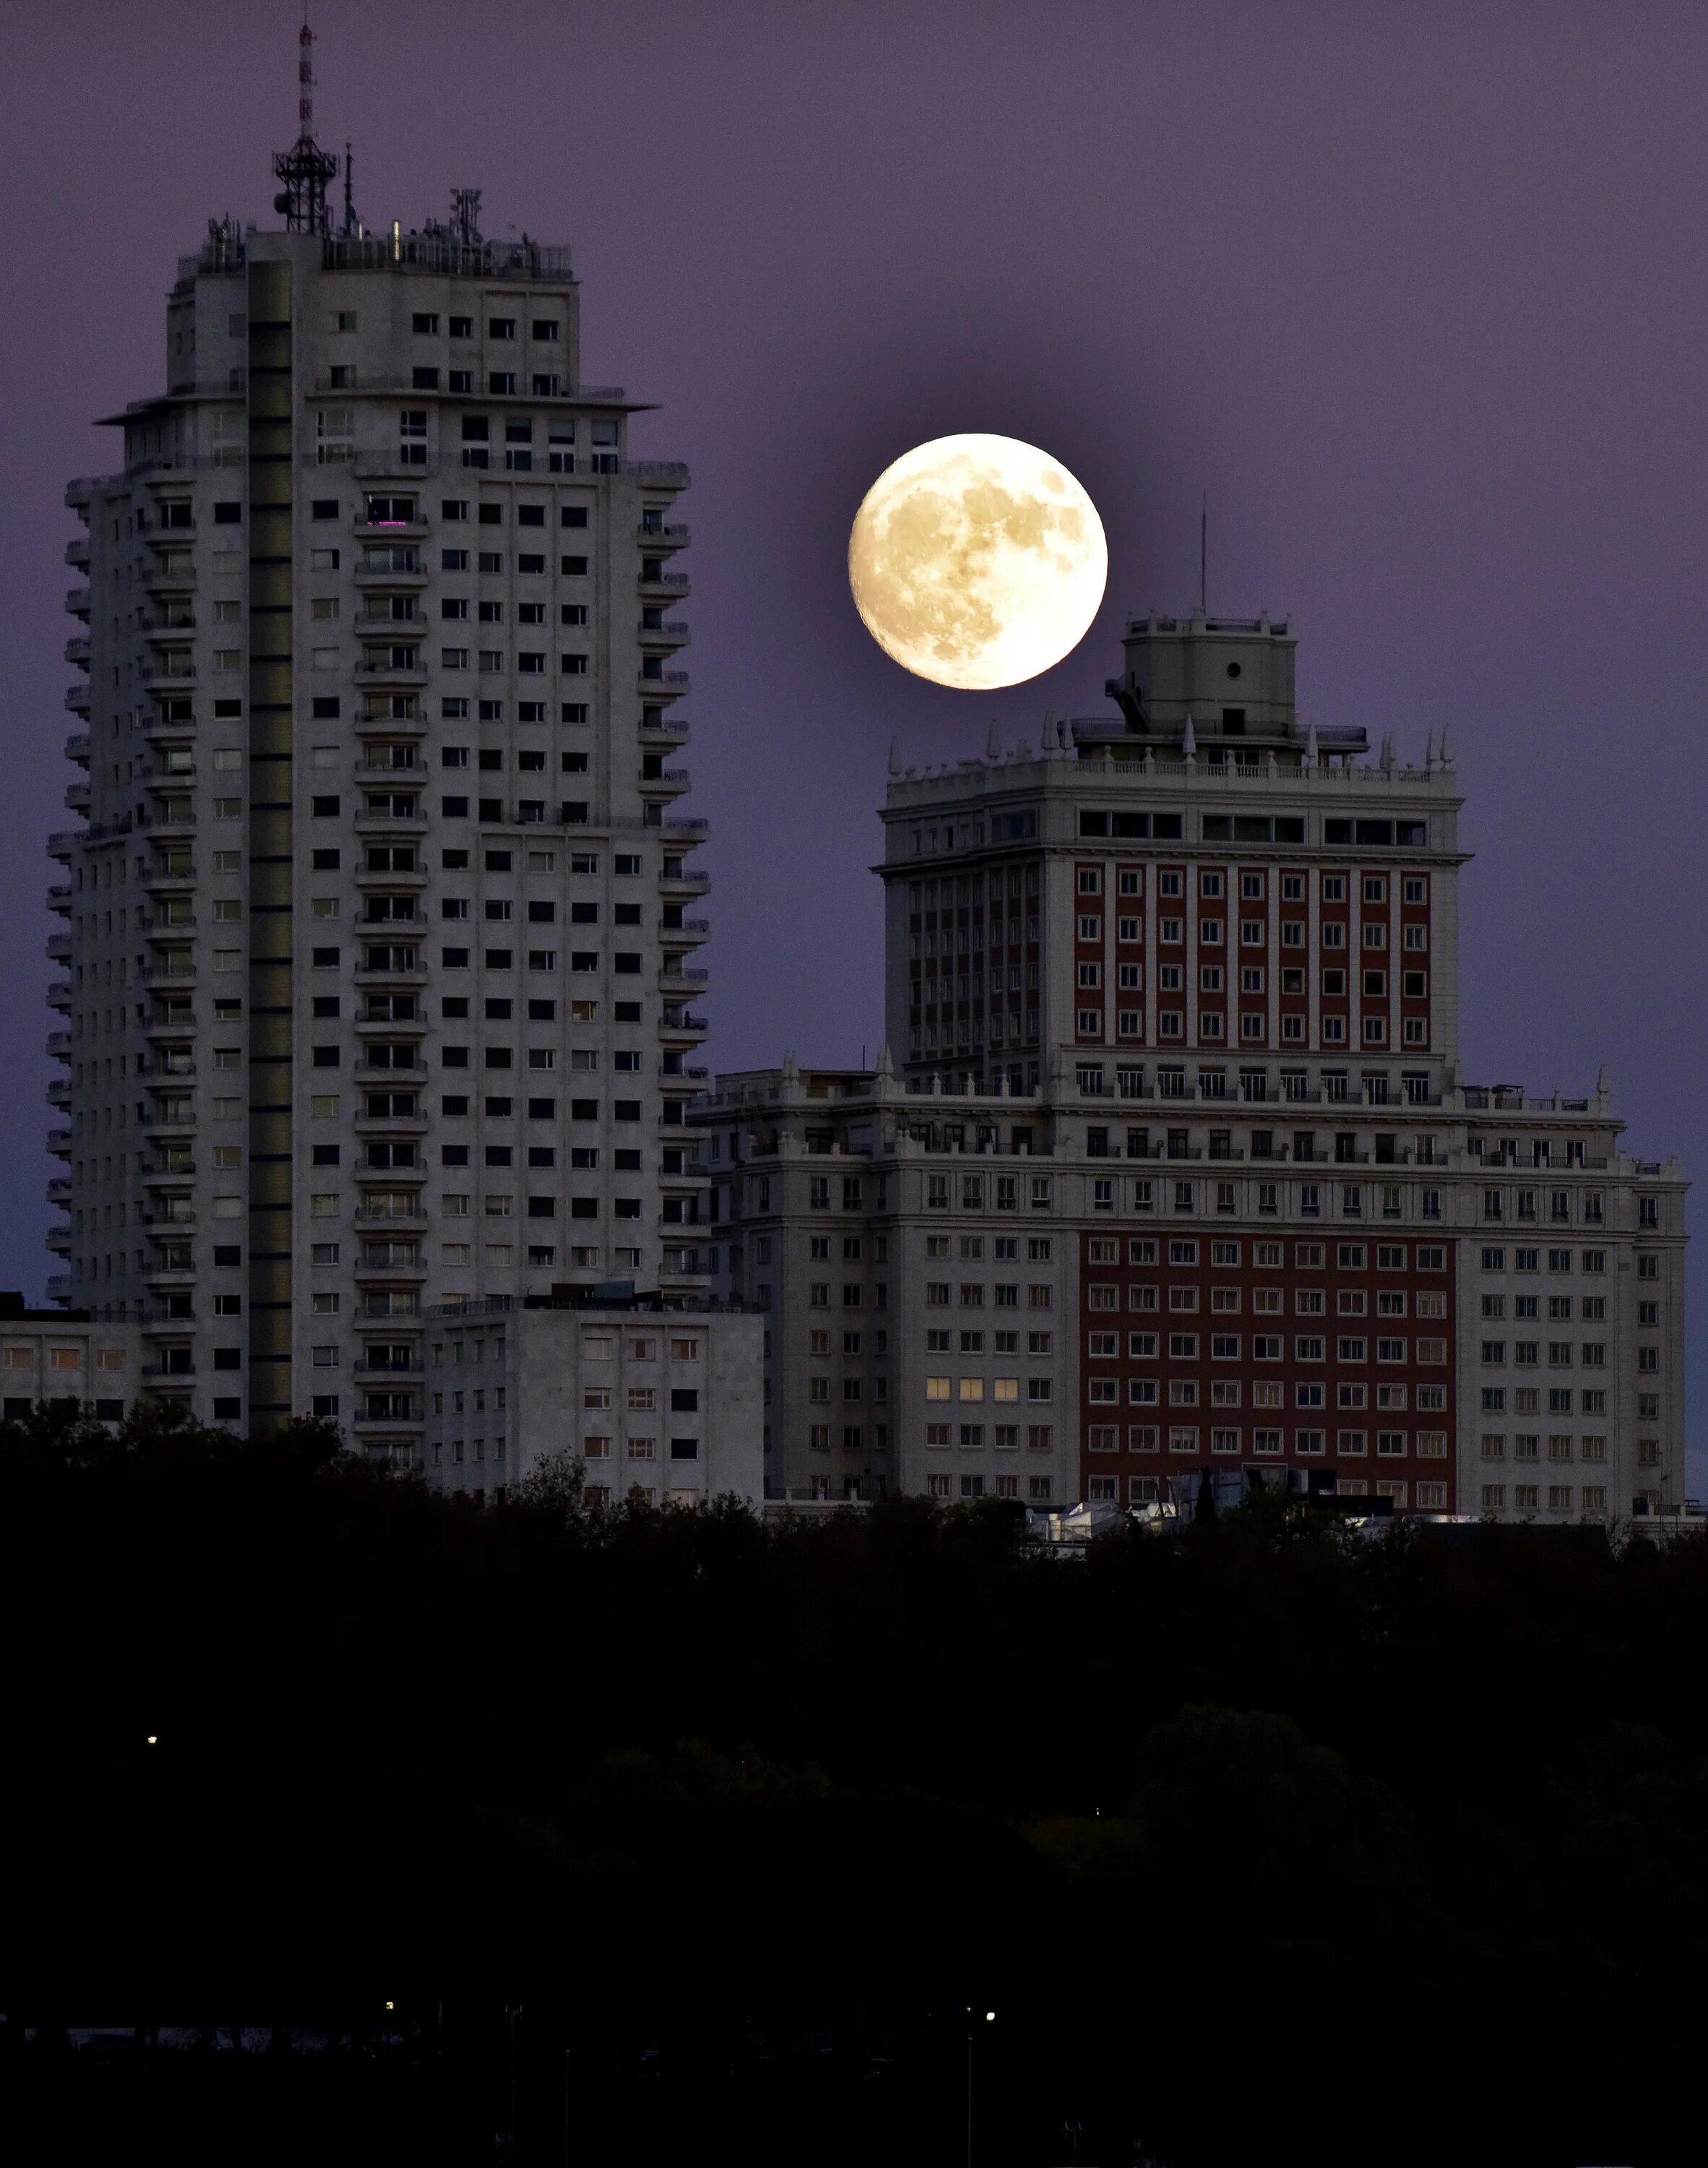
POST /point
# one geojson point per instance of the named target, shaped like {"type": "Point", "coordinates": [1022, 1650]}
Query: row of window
{"type": "Point", "coordinates": [1037, 1487]}
{"type": "Point", "coordinates": [1005, 1438]}
{"type": "Point", "coordinates": [1171, 933]}
{"type": "Point", "coordinates": [1187, 1393]}
{"type": "Point", "coordinates": [1527, 1498]}
{"type": "Point", "coordinates": [1527, 1445]}
{"type": "Point", "coordinates": [1146, 1490]}
{"type": "Point", "coordinates": [404, 557]}
{"type": "Point", "coordinates": [1268, 1302]}
{"type": "Point", "coordinates": [1253, 1028]}
{"type": "Point", "coordinates": [1414, 985]}
{"type": "Point", "coordinates": [1038, 1390]}
{"type": "Point", "coordinates": [1591, 1400]}
{"type": "Point", "coordinates": [1253, 886]}
{"type": "Point", "coordinates": [1310, 1444]}
{"type": "Point", "coordinates": [1265, 1347]}
{"type": "Point", "coordinates": [1526, 1354]}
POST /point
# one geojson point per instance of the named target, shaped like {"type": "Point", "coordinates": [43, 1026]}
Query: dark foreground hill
{"type": "Point", "coordinates": [690, 1838]}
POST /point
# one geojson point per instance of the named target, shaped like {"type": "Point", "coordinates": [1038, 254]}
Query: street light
{"type": "Point", "coordinates": [989, 2019]}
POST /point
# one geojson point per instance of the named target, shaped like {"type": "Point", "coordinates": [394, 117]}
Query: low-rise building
{"type": "Point", "coordinates": [653, 1401]}
{"type": "Point", "coordinates": [62, 1356]}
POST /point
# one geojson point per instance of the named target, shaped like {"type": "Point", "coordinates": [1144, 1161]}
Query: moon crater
{"type": "Point", "coordinates": [977, 561]}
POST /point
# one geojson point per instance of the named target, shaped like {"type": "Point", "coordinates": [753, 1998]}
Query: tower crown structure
{"type": "Point", "coordinates": [1231, 677]}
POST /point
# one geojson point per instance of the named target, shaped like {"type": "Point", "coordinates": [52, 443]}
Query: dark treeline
{"type": "Point", "coordinates": [1261, 1841]}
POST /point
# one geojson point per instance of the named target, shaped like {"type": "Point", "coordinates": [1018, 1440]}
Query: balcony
{"type": "Point", "coordinates": [173, 671]}
{"type": "Point", "coordinates": [78, 747]}
{"type": "Point", "coordinates": [59, 947]}
{"type": "Point", "coordinates": [59, 899]}
{"type": "Point", "coordinates": [170, 1117]}
{"type": "Point", "coordinates": [59, 1240]}
{"type": "Point", "coordinates": [409, 770]}
{"type": "Point", "coordinates": [59, 1287]}
{"type": "Point", "coordinates": [77, 798]}
{"type": "Point", "coordinates": [392, 877]}
{"type": "Point", "coordinates": [691, 828]}
{"type": "Point", "coordinates": [695, 879]}
{"type": "Point", "coordinates": [378, 1127]}
{"type": "Point", "coordinates": [667, 685]}
{"type": "Point", "coordinates": [366, 823]}
{"type": "Point", "coordinates": [173, 877]}
{"type": "Point", "coordinates": [171, 574]}
{"type": "Point", "coordinates": [406, 578]}
{"type": "Point", "coordinates": [170, 626]}
{"type": "Point", "coordinates": [77, 553]}
{"type": "Point", "coordinates": [658, 541]}
{"type": "Point", "coordinates": [172, 1024]}
{"type": "Point", "coordinates": [59, 1093]}
{"type": "Point", "coordinates": [387, 530]}
{"type": "Point", "coordinates": [664, 586]}
{"type": "Point", "coordinates": [390, 1261]}
{"type": "Point", "coordinates": [376, 676]}
{"type": "Point", "coordinates": [59, 1143]}
{"type": "Point", "coordinates": [168, 1173]}
{"type": "Point", "coordinates": [370, 1215]}
{"type": "Point", "coordinates": [680, 977]}
{"type": "Point", "coordinates": [76, 698]}
{"type": "Point", "coordinates": [59, 1189]}
{"type": "Point", "coordinates": [407, 1369]}
{"type": "Point", "coordinates": [668, 635]}
{"type": "Point", "coordinates": [389, 726]}
{"type": "Point", "coordinates": [59, 1045]}
{"type": "Point", "coordinates": [59, 996]}
{"type": "Point", "coordinates": [78, 650]}
{"type": "Point", "coordinates": [172, 1215]}
{"type": "Point", "coordinates": [77, 602]}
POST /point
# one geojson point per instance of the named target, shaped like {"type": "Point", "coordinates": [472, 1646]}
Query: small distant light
{"type": "Point", "coordinates": [990, 2017]}
{"type": "Point", "coordinates": [153, 1740]}
{"type": "Point", "coordinates": [391, 2006]}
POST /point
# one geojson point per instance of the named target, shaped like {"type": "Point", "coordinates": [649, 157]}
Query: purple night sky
{"type": "Point", "coordinates": [1415, 292]}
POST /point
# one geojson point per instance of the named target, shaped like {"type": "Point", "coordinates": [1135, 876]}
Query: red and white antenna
{"type": "Point", "coordinates": [305, 169]}
{"type": "Point", "coordinates": [305, 82]}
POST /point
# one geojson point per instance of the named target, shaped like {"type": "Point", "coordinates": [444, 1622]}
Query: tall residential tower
{"type": "Point", "coordinates": [378, 939]}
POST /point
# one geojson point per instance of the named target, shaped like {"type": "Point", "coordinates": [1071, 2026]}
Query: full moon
{"type": "Point", "coordinates": [977, 561]}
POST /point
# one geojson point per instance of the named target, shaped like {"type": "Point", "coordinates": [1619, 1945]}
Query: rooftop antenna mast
{"type": "Point", "coordinates": [1204, 556]}
{"type": "Point", "coordinates": [466, 216]}
{"type": "Point", "coordinates": [305, 169]}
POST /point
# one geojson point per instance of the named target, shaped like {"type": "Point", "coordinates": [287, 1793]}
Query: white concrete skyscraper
{"type": "Point", "coordinates": [378, 939]}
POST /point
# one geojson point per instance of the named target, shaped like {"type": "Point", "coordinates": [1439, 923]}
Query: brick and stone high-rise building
{"type": "Point", "coordinates": [1170, 1164]}
{"type": "Point", "coordinates": [378, 937]}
